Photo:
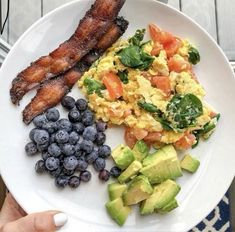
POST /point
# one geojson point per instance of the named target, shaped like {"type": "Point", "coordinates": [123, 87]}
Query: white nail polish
{"type": "Point", "coordinates": [60, 219]}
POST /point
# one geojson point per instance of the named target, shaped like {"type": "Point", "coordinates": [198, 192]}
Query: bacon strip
{"type": "Point", "coordinates": [91, 28]}
{"type": "Point", "coordinates": [52, 91]}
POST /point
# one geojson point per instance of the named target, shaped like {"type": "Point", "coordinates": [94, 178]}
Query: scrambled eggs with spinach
{"type": "Point", "coordinates": [151, 86]}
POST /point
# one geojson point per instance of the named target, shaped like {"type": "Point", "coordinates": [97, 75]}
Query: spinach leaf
{"type": "Point", "coordinates": [148, 107]}
{"type": "Point", "coordinates": [194, 56]}
{"type": "Point", "coordinates": [138, 37]}
{"type": "Point", "coordinates": [93, 86]}
{"type": "Point", "coordinates": [123, 75]}
{"type": "Point", "coordinates": [134, 57]}
{"type": "Point", "coordinates": [184, 109]}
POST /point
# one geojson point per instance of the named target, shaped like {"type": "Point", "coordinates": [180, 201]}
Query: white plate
{"type": "Point", "coordinates": [200, 192]}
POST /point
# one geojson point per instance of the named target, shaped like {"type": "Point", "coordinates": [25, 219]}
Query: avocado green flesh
{"type": "Point", "coordinates": [151, 158]}
{"type": "Point", "coordinates": [123, 156]}
{"type": "Point", "coordinates": [138, 190]}
{"type": "Point", "coordinates": [140, 150]}
{"type": "Point", "coordinates": [116, 190]}
{"type": "Point", "coordinates": [190, 163]}
{"type": "Point", "coordinates": [163, 194]}
{"type": "Point", "coordinates": [131, 171]}
{"type": "Point", "coordinates": [169, 207]}
{"type": "Point", "coordinates": [117, 211]}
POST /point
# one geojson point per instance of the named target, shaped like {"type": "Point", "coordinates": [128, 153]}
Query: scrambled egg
{"type": "Point", "coordinates": [126, 110]}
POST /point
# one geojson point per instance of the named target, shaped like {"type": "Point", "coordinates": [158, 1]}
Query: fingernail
{"type": "Point", "coordinates": [60, 219]}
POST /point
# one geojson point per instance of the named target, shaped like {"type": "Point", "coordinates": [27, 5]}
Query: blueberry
{"type": "Point", "coordinates": [40, 120]}
{"type": "Point", "coordinates": [70, 162]}
{"type": "Point", "coordinates": [90, 158]}
{"type": "Point", "coordinates": [40, 167]}
{"type": "Point", "coordinates": [78, 151]}
{"type": "Point", "coordinates": [74, 182]}
{"type": "Point", "coordinates": [115, 171]}
{"type": "Point", "coordinates": [41, 137]}
{"type": "Point", "coordinates": [74, 116]}
{"type": "Point", "coordinates": [31, 134]}
{"type": "Point", "coordinates": [65, 124]}
{"type": "Point", "coordinates": [61, 181]}
{"type": "Point", "coordinates": [81, 104]}
{"type": "Point", "coordinates": [68, 149]}
{"type": "Point", "coordinates": [43, 147]}
{"type": "Point", "coordinates": [89, 133]}
{"type": "Point", "coordinates": [87, 118]}
{"type": "Point", "coordinates": [31, 149]}
{"type": "Point", "coordinates": [52, 114]}
{"type": "Point", "coordinates": [68, 102]}
{"type": "Point", "coordinates": [54, 150]}
{"type": "Point", "coordinates": [50, 127]}
{"type": "Point", "coordinates": [78, 127]}
{"type": "Point", "coordinates": [85, 176]}
{"type": "Point", "coordinates": [82, 165]}
{"type": "Point", "coordinates": [104, 151]}
{"type": "Point", "coordinates": [68, 172]}
{"type": "Point", "coordinates": [52, 138]}
{"type": "Point", "coordinates": [87, 146]}
{"type": "Point", "coordinates": [100, 138]}
{"type": "Point", "coordinates": [45, 155]}
{"type": "Point", "coordinates": [56, 172]}
{"type": "Point", "coordinates": [52, 163]}
{"type": "Point", "coordinates": [99, 164]}
{"type": "Point", "coordinates": [101, 126]}
{"type": "Point", "coordinates": [104, 175]}
{"type": "Point", "coordinates": [73, 138]}
{"type": "Point", "coordinates": [62, 136]}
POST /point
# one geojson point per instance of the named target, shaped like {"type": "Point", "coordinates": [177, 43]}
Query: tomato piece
{"type": "Point", "coordinates": [172, 48]}
{"type": "Point", "coordinates": [140, 133]}
{"type": "Point", "coordinates": [178, 65]}
{"type": "Point", "coordinates": [186, 142]}
{"type": "Point", "coordinates": [129, 137]}
{"type": "Point", "coordinates": [162, 83]}
{"type": "Point", "coordinates": [153, 137]}
{"type": "Point", "coordinates": [113, 85]}
{"type": "Point", "coordinates": [156, 49]}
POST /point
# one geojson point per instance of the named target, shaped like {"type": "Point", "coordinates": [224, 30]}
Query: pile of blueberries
{"type": "Point", "coordinates": [68, 146]}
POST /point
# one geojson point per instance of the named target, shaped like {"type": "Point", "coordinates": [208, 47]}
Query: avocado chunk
{"type": "Point", "coordinates": [162, 195]}
{"type": "Point", "coordinates": [138, 190]}
{"type": "Point", "coordinates": [189, 163]}
{"type": "Point", "coordinates": [132, 170]}
{"type": "Point", "coordinates": [123, 156]}
{"type": "Point", "coordinates": [118, 211]}
{"type": "Point", "coordinates": [164, 165]}
{"type": "Point", "coordinates": [116, 190]}
{"type": "Point", "coordinates": [140, 150]}
{"type": "Point", "coordinates": [169, 207]}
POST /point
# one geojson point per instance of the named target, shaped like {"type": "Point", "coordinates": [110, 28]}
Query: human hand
{"type": "Point", "coordinates": [14, 219]}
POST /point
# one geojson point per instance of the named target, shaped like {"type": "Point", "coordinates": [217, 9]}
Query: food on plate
{"type": "Point", "coordinates": [189, 163]}
{"type": "Point", "coordinates": [149, 182]}
{"type": "Point", "coordinates": [52, 91]}
{"type": "Point", "coordinates": [151, 89]}
{"type": "Point", "coordinates": [68, 146]}
{"type": "Point", "coordinates": [90, 30]}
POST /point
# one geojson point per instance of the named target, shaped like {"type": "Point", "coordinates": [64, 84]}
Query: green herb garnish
{"type": "Point", "coordinates": [123, 75]}
{"type": "Point", "coordinates": [194, 56]}
{"type": "Point", "coordinates": [93, 86]}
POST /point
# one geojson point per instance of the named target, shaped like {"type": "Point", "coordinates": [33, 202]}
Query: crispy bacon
{"type": "Point", "coordinates": [91, 28]}
{"type": "Point", "coordinates": [52, 91]}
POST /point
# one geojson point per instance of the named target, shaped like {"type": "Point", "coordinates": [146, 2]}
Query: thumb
{"type": "Point", "coordinates": [38, 222]}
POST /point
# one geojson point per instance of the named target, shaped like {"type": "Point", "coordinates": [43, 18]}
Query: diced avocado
{"type": "Point", "coordinates": [152, 157]}
{"type": "Point", "coordinates": [169, 207]}
{"type": "Point", "coordinates": [189, 163]}
{"type": "Point", "coordinates": [118, 211]}
{"type": "Point", "coordinates": [116, 190]}
{"type": "Point", "coordinates": [140, 150]}
{"type": "Point", "coordinates": [138, 190]}
{"type": "Point", "coordinates": [164, 166]}
{"type": "Point", "coordinates": [132, 170]}
{"type": "Point", "coordinates": [123, 156]}
{"type": "Point", "coordinates": [162, 195]}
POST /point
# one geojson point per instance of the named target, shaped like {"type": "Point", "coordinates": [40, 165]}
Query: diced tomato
{"type": "Point", "coordinates": [185, 142]}
{"type": "Point", "coordinates": [172, 48]}
{"type": "Point", "coordinates": [140, 133]}
{"type": "Point", "coordinates": [212, 114]}
{"type": "Point", "coordinates": [157, 47]}
{"type": "Point", "coordinates": [178, 65]}
{"type": "Point", "coordinates": [163, 83]}
{"type": "Point", "coordinates": [153, 137]}
{"type": "Point", "coordinates": [130, 138]}
{"type": "Point", "coordinates": [113, 85]}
